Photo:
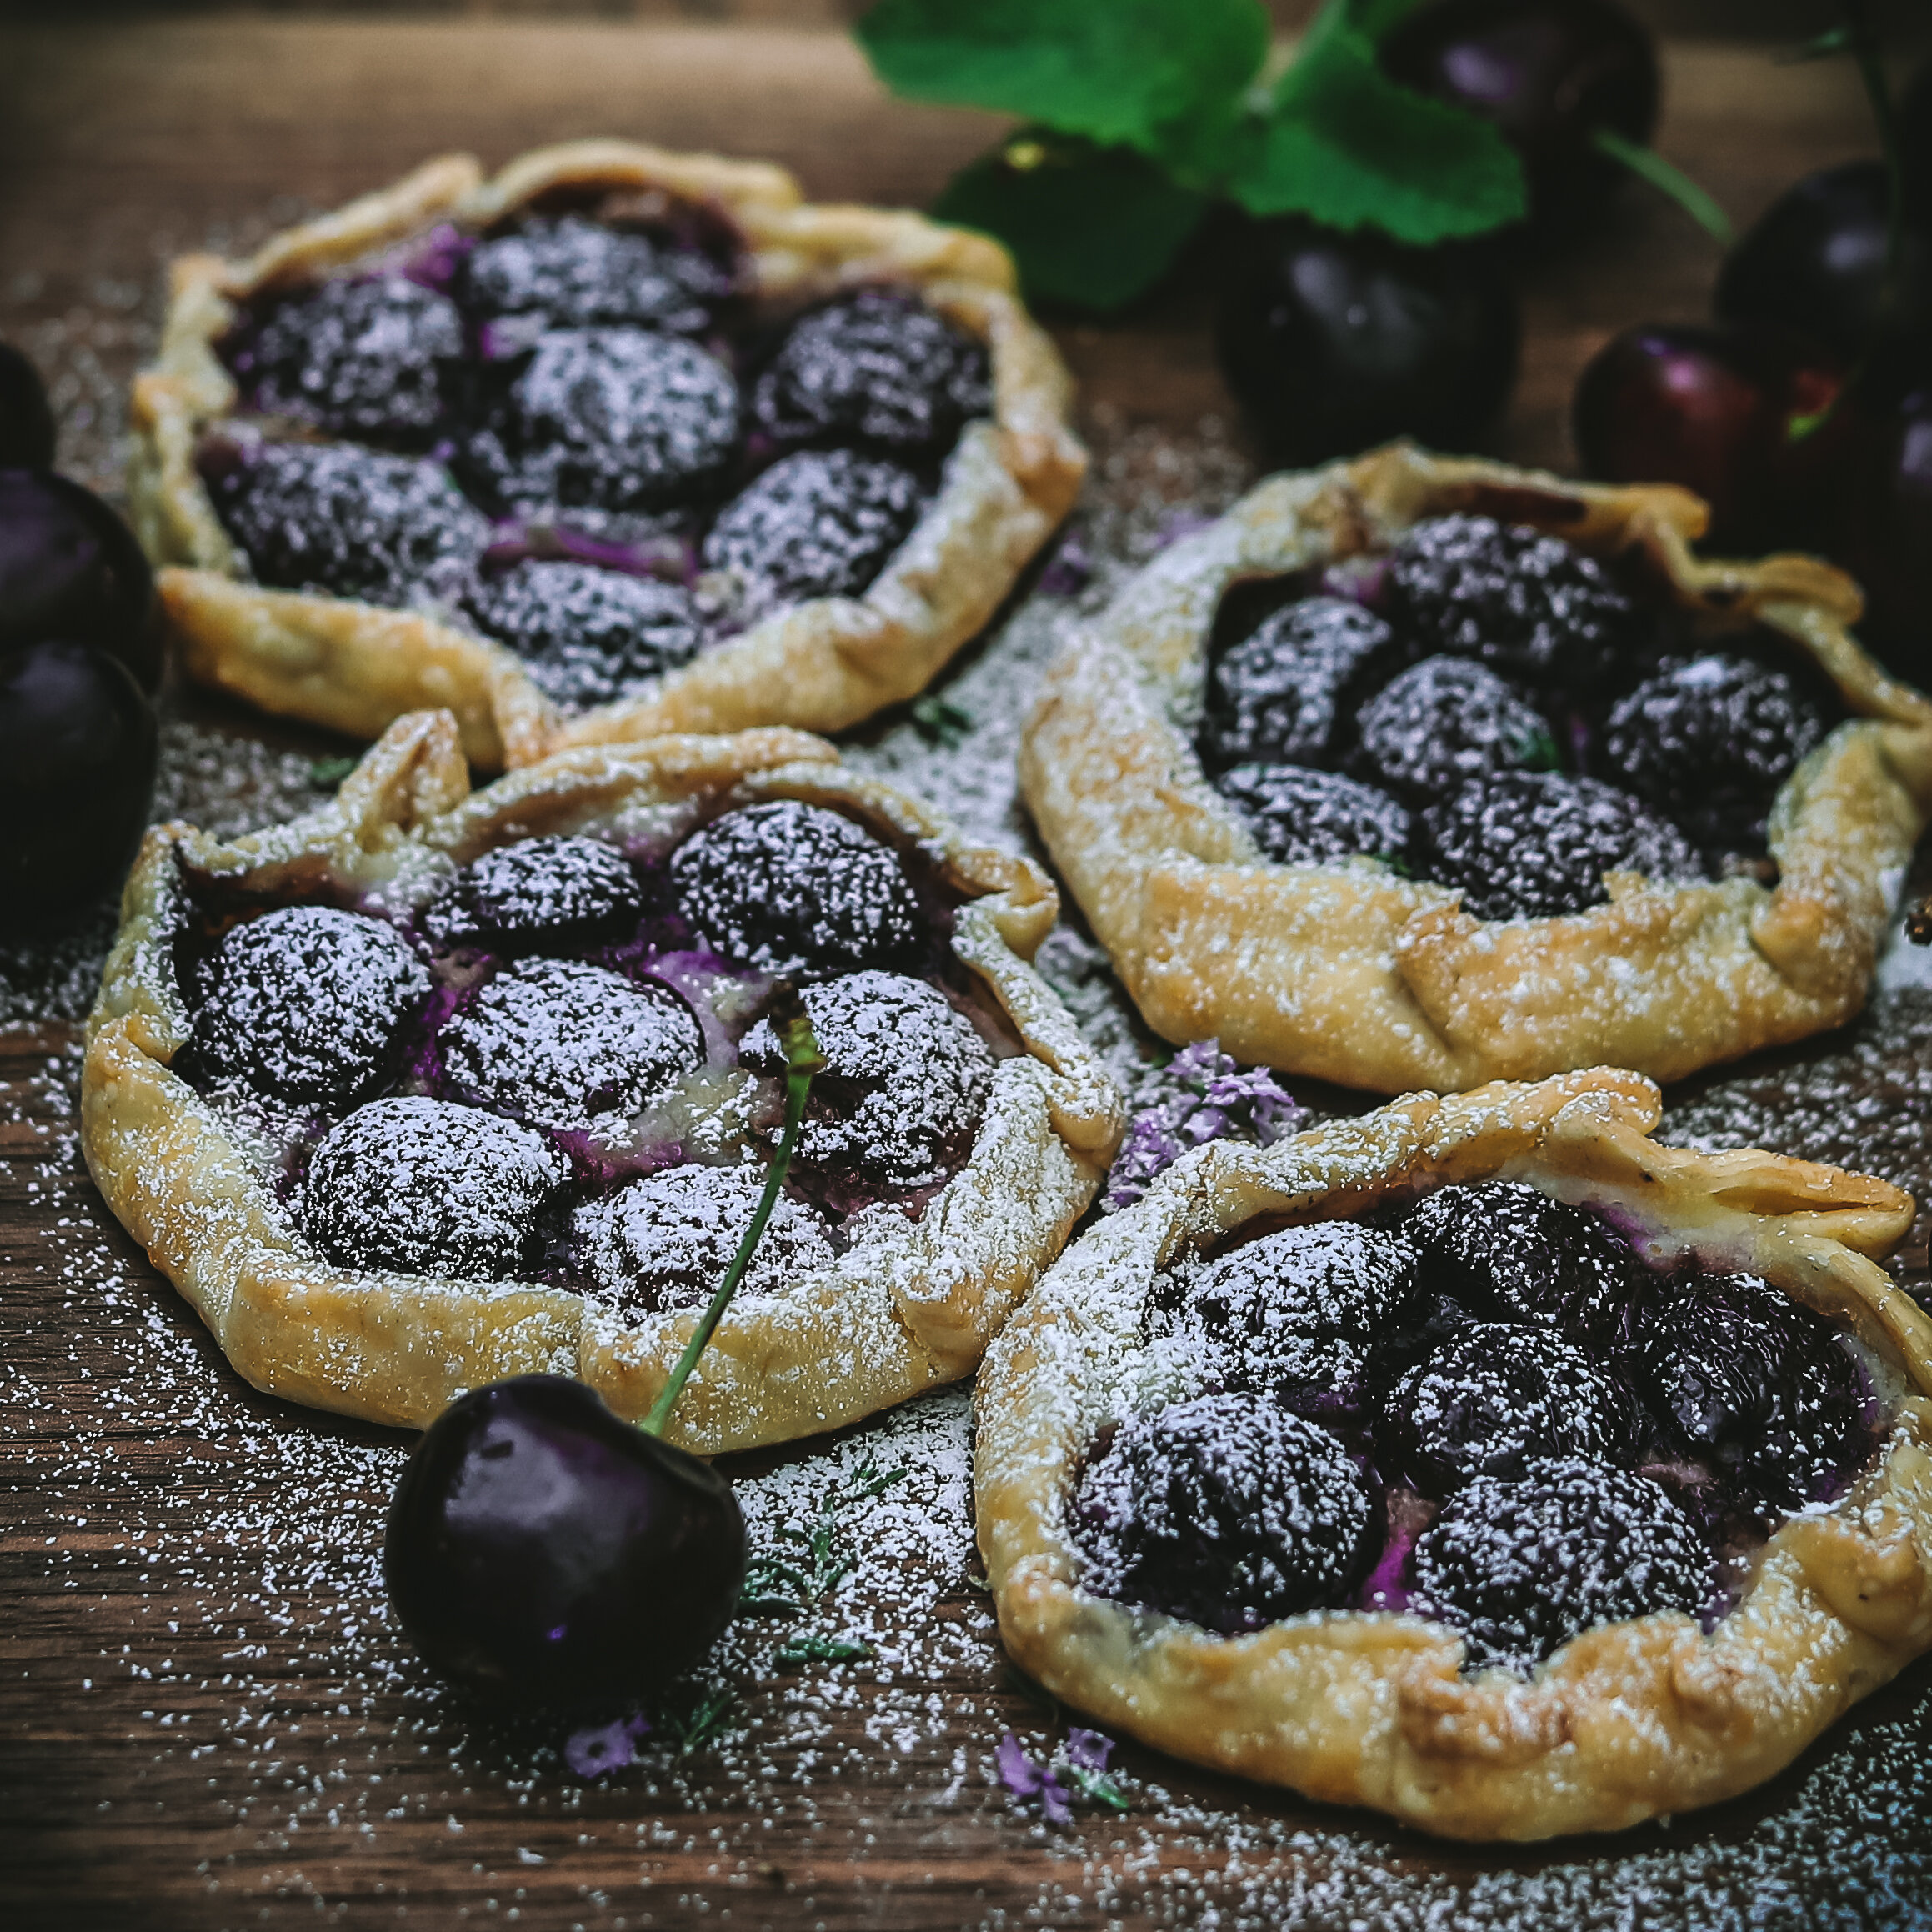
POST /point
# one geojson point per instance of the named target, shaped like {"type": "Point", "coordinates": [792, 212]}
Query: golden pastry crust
{"type": "Point", "coordinates": [1355, 974]}
{"type": "Point", "coordinates": [911, 1304]}
{"type": "Point", "coordinates": [1626, 1722]}
{"type": "Point", "coordinates": [821, 665]}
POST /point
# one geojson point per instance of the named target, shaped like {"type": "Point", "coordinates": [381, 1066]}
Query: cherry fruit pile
{"type": "Point", "coordinates": [1803, 415]}
{"type": "Point", "coordinates": [1488, 1407]}
{"type": "Point", "coordinates": [79, 656]}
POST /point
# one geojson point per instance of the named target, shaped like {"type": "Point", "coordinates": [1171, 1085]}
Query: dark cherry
{"type": "Point", "coordinates": [792, 888]}
{"type": "Point", "coordinates": [26, 427]}
{"type": "Point", "coordinates": [586, 635]}
{"type": "Point", "coordinates": [1747, 1377]}
{"type": "Point", "coordinates": [557, 890]}
{"type": "Point", "coordinates": [1713, 409]}
{"type": "Point", "coordinates": [1228, 1510]}
{"type": "Point", "coordinates": [69, 567]}
{"type": "Point", "coordinates": [1492, 1398]}
{"type": "Point", "coordinates": [1334, 342]}
{"type": "Point", "coordinates": [339, 518]}
{"type": "Point", "coordinates": [1445, 722]}
{"type": "Point", "coordinates": [906, 1077]}
{"type": "Point", "coordinates": [1522, 1564]}
{"type": "Point", "coordinates": [427, 1188]}
{"type": "Point", "coordinates": [1548, 74]}
{"type": "Point", "coordinates": [78, 751]}
{"type": "Point", "coordinates": [307, 1002]}
{"type": "Point", "coordinates": [375, 359]}
{"type": "Point", "coordinates": [574, 274]}
{"type": "Point", "coordinates": [611, 418]}
{"type": "Point", "coordinates": [665, 1242]}
{"type": "Point", "coordinates": [1814, 261]}
{"type": "Point", "coordinates": [1537, 845]}
{"type": "Point", "coordinates": [539, 1547]}
{"type": "Point", "coordinates": [1296, 1312]}
{"type": "Point", "coordinates": [1307, 818]}
{"type": "Point", "coordinates": [1285, 694]}
{"type": "Point", "coordinates": [1511, 1252]}
{"type": "Point", "coordinates": [877, 367]}
{"type": "Point", "coordinates": [1710, 740]}
{"type": "Point", "coordinates": [562, 1044]}
{"type": "Point", "coordinates": [1524, 602]}
{"type": "Point", "coordinates": [819, 523]}
{"type": "Point", "coordinates": [1871, 507]}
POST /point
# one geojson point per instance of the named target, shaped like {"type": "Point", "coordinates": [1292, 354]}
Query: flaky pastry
{"type": "Point", "coordinates": [909, 1301]}
{"type": "Point", "coordinates": [820, 664]}
{"type": "Point", "coordinates": [1352, 972]}
{"type": "Point", "coordinates": [1628, 1720]}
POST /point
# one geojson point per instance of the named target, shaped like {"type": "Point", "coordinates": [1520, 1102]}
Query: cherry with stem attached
{"type": "Point", "coordinates": [539, 1547]}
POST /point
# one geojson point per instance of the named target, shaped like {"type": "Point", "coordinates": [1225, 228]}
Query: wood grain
{"type": "Point", "coordinates": [206, 1719]}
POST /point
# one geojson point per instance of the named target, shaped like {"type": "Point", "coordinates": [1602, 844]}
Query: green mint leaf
{"type": "Point", "coordinates": [326, 773]}
{"type": "Point", "coordinates": [1117, 71]}
{"type": "Point", "coordinates": [937, 720]}
{"type": "Point", "coordinates": [1348, 146]}
{"type": "Point", "coordinates": [814, 1650]}
{"type": "Point", "coordinates": [1098, 1786]}
{"type": "Point", "coordinates": [1086, 225]}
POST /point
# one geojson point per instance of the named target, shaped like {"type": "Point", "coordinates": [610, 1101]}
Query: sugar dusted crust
{"type": "Point", "coordinates": [911, 1306]}
{"type": "Point", "coordinates": [821, 665]}
{"type": "Point", "coordinates": [1353, 973]}
{"type": "Point", "coordinates": [1626, 1722]}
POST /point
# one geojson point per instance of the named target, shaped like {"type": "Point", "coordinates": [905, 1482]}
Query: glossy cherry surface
{"type": "Point", "coordinates": [538, 1547]}
{"type": "Point", "coordinates": [1816, 261]}
{"type": "Point", "coordinates": [26, 418]}
{"type": "Point", "coordinates": [69, 567]}
{"type": "Point", "coordinates": [1548, 74]}
{"type": "Point", "coordinates": [78, 750]}
{"type": "Point", "coordinates": [1712, 408]}
{"type": "Point", "coordinates": [1334, 342]}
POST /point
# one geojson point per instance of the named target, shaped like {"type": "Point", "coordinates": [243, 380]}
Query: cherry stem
{"type": "Point", "coordinates": [803, 1060]}
{"type": "Point", "coordinates": [1648, 165]}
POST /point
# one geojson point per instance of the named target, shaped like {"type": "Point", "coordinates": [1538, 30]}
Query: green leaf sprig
{"type": "Point", "coordinates": [1142, 113]}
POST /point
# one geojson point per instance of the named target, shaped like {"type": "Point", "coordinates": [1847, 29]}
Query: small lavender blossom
{"type": "Point", "coordinates": [1213, 1099]}
{"type": "Point", "coordinates": [1070, 572]}
{"type": "Point", "coordinates": [1088, 1750]}
{"type": "Point", "coordinates": [1025, 1779]}
{"type": "Point", "coordinates": [599, 1749]}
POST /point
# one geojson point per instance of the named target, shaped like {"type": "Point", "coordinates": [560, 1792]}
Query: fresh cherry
{"type": "Point", "coordinates": [1334, 342]}
{"type": "Point", "coordinates": [25, 418]}
{"type": "Point", "coordinates": [69, 567]}
{"type": "Point", "coordinates": [1816, 261]}
{"type": "Point", "coordinates": [78, 750]}
{"type": "Point", "coordinates": [1871, 505]}
{"type": "Point", "coordinates": [1550, 73]}
{"type": "Point", "coordinates": [538, 1547]}
{"type": "Point", "coordinates": [1715, 410]}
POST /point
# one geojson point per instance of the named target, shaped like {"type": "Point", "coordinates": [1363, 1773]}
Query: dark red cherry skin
{"type": "Point", "coordinates": [1872, 502]}
{"type": "Point", "coordinates": [69, 567]}
{"type": "Point", "coordinates": [78, 749]}
{"type": "Point", "coordinates": [1334, 342]}
{"type": "Point", "coordinates": [538, 1548]}
{"type": "Point", "coordinates": [1711, 408]}
{"type": "Point", "coordinates": [1548, 74]}
{"type": "Point", "coordinates": [26, 416]}
{"type": "Point", "coordinates": [1816, 261]}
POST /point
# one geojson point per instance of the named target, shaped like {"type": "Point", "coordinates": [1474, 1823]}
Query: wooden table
{"type": "Point", "coordinates": [207, 1720]}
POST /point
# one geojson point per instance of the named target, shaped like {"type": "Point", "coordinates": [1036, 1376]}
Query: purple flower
{"type": "Point", "coordinates": [599, 1749]}
{"type": "Point", "coordinates": [1024, 1778]}
{"type": "Point", "coordinates": [1070, 572]}
{"type": "Point", "coordinates": [1211, 1098]}
{"type": "Point", "coordinates": [1088, 1750]}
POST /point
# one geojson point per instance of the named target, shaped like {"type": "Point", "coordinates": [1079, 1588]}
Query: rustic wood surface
{"type": "Point", "coordinates": [197, 1727]}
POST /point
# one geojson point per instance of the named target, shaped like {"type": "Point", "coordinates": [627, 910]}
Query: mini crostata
{"type": "Point", "coordinates": [1414, 773]}
{"type": "Point", "coordinates": [434, 1087]}
{"type": "Point", "coordinates": [1478, 1459]}
{"type": "Point", "coordinates": [619, 443]}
